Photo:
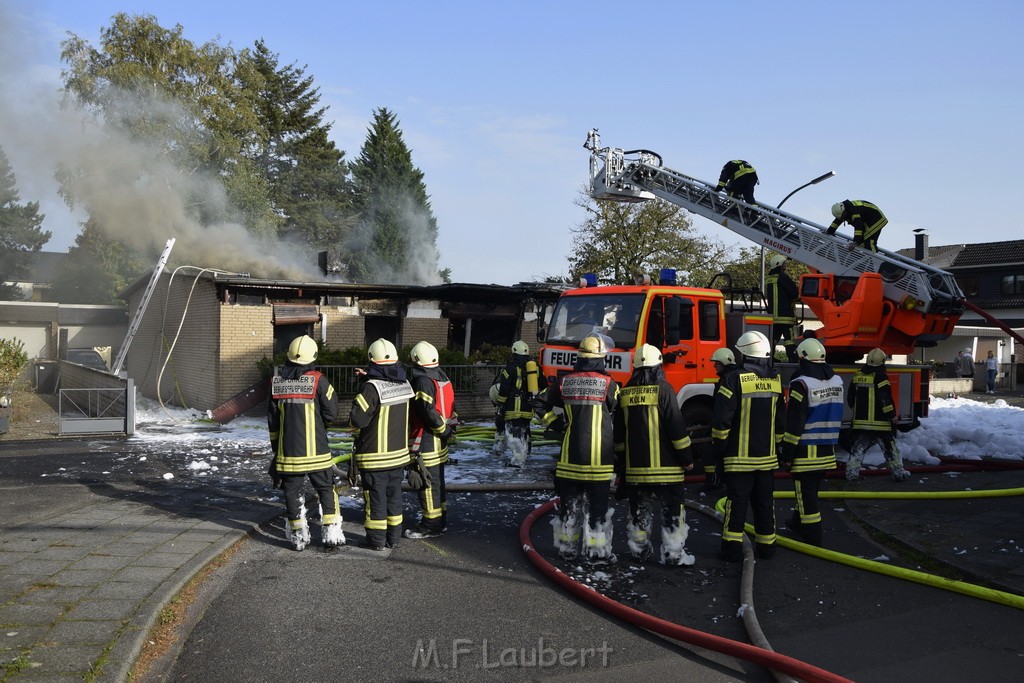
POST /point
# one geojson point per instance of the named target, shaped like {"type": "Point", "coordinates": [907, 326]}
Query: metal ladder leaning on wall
{"type": "Point", "coordinates": [133, 327]}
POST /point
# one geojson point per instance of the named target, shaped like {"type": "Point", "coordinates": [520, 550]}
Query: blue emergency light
{"type": "Point", "coordinates": [667, 276]}
{"type": "Point", "coordinates": [588, 280]}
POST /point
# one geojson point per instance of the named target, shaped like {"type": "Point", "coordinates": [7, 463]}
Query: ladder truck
{"type": "Point", "coordinates": [864, 299]}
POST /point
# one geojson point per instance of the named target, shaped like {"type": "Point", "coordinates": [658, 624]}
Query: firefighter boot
{"type": "Point", "coordinates": [731, 551]}
{"type": "Point", "coordinates": [598, 540]}
{"type": "Point", "coordinates": [853, 467]}
{"type": "Point", "coordinates": [567, 532]}
{"type": "Point", "coordinates": [500, 443]}
{"type": "Point", "coordinates": [673, 546]}
{"type": "Point", "coordinates": [899, 472]}
{"type": "Point", "coordinates": [297, 533]}
{"type": "Point", "coordinates": [640, 545]}
{"type": "Point", "coordinates": [764, 551]}
{"type": "Point", "coordinates": [520, 452]}
{"type": "Point", "coordinates": [811, 533]}
{"type": "Point", "coordinates": [333, 536]}
{"type": "Point", "coordinates": [793, 523]}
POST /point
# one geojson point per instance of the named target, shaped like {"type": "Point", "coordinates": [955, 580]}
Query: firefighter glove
{"type": "Point", "coordinates": [275, 476]}
{"type": "Point", "coordinates": [412, 476]}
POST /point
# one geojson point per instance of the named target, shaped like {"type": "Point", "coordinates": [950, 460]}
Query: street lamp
{"type": "Point", "coordinates": [822, 177]}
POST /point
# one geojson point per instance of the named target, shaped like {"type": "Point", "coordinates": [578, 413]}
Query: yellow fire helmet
{"type": "Point", "coordinates": [302, 350]}
{"type": "Point", "coordinates": [812, 350]}
{"type": "Point", "coordinates": [424, 355]}
{"type": "Point", "coordinates": [876, 357]}
{"type": "Point", "coordinates": [382, 352]}
{"type": "Point", "coordinates": [647, 356]}
{"type": "Point", "coordinates": [593, 346]}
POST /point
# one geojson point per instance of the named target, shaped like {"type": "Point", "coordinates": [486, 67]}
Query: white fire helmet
{"type": "Point", "coordinates": [754, 344]}
{"type": "Point", "coordinates": [647, 356]}
{"type": "Point", "coordinates": [724, 356]}
{"type": "Point", "coordinates": [811, 349]}
{"type": "Point", "coordinates": [776, 261]}
{"type": "Point", "coordinates": [876, 357]}
{"type": "Point", "coordinates": [521, 348]}
{"type": "Point", "coordinates": [837, 210]}
{"type": "Point", "coordinates": [302, 350]}
{"type": "Point", "coordinates": [424, 355]}
{"type": "Point", "coordinates": [593, 346]}
{"type": "Point", "coordinates": [382, 352]}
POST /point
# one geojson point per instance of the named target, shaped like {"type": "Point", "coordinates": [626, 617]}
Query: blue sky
{"type": "Point", "coordinates": [917, 106]}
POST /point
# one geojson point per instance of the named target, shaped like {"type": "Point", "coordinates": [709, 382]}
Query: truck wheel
{"type": "Point", "coordinates": [696, 415]}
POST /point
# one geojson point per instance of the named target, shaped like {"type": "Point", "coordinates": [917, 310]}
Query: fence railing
{"type": "Point", "coordinates": [97, 411]}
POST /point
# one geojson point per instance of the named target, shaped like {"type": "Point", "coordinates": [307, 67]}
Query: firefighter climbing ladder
{"type": "Point", "coordinates": [133, 327]}
{"type": "Point", "coordinates": [642, 176]}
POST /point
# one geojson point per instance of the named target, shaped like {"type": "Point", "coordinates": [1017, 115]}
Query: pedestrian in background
{"type": "Point", "coordinates": [432, 416]}
{"type": "Point", "coordinates": [302, 403]}
{"type": "Point", "coordinates": [991, 372]}
{"type": "Point", "coordinates": [965, 363]}
{"type": "Point", "coordinates": [380, 451]}
{"type": "Point", "coordinates": [587, 396]}
{"type": "Point", "coordinates": [748, 420]}
{"type": "Point", "coordinates": [874, 417]}
{"type": "Point", "coordinates": [814, 414]}
{"type": "Point", "coordinates": [653, 455]}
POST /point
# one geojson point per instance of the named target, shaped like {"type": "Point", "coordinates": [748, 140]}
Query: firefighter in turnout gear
{"type": "Point", "coordinates": [586, 463]}
{"type": "Point", "coordinates": [653, 454]}
{"type": "Point", "coordinates": [302, 403]}
{"type": "Point", "coordinates": [517, 387]}
{"type": "Point", "coordinates": [814, 415]}
{"type": "Point", "coordinates": [380, 451]}
{"type": "Point", "coordinates": [714, 469]}
{"type": "Point", "coordinates": [748, 421]}
{"type": "Point", "coordinates": [874, 417]}
{"type": "Point", "coordinates": [738, 179]}
{"type": "Point", "coordinates": [782, 295]}
{"type": "Point", "coordinates": [432, 417]}
{"type": "Point", "coordinates": [866, 218]}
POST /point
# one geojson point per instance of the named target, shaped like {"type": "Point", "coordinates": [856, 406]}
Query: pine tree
{"type": "Point", "coordinates": [306, 171]}
{"type": "Point", "coordinates": [396, 238]}
{"type": "Point", "coordinates": [20, 231]}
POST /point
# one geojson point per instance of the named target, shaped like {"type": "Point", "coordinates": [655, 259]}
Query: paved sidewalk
{"type": "Point", "coordinates": [87, 569]}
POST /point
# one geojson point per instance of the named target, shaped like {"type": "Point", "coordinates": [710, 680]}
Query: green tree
{"type": "Point", "coordinates": [619, 241]}
{"type": "Point", "coordinates": [174, 117]}
{"type": "Point", "coordinates": [97, 270]}
{"type": "Point", "coordinates": [396, 238]}
{"type": "Point", "coordinates": [307, 173]}
{"type": "Point", "coordinates": [20, 231]}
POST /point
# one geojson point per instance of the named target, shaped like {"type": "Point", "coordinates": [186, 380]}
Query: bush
{"type": "Point", "coordinates": [490, 354]}
{"type": "Point", "coordinates": [13, 360]}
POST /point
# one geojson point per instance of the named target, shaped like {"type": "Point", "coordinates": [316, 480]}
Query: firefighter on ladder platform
{"type": "Point", "coordinates": [432, 418]}
{"type": "Point", "coordinates": [302, 402]}
{"type": "Point", "coordinates": [653, 456]}
{"type": "Point", "coordinates": [748, 420]}
{"type": "Point", "coordinates": [586, 464]}
{"type": "Point", "coordinates": [738, 179]}
{"type": "Point", "coordinates": [814, 415]}
{"type": "Point", "coordinates": [782, 295]}
{"type": "Point", "coordinates": [380, 452]}
{"type": "Point", "coordinates": [866, 218]}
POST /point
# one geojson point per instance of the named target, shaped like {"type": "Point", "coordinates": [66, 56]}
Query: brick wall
{"type": "Point", "coordinates": [345, 329]}
{"type": "Point", "coordinates": [246, 336]}
{"type": "Point", "coordinates": [433, 330]}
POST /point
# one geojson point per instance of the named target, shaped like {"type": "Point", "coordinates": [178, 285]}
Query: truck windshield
{"type": "Point", "coordinates": [614, 315]}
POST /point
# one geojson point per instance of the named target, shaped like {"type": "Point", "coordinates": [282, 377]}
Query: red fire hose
{"type": "Point", "coordinates": [750, 653]}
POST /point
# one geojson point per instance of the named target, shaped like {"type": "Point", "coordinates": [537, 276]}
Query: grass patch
{"type": "Point", "coordinates": [173, 618]}
{"type": "Point", "coordinates": [16, 665]}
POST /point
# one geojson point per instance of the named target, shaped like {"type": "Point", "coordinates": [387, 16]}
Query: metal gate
{"type": "Point", "coordinates": [97, 411]}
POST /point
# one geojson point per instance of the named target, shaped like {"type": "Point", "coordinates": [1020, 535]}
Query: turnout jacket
{"type": "Point", "coordinates": [782, 294]}
{"type": "Point", "coordinates": [651, 440]}
{"type": "Point", "coordinates": [870, 396]}
{"type": "Point", "coordinates": [866, 218]}
{"type": "Point", "coordinates": [433, 404]}
{"type": "Point", "coordinates": [588, 396]}
{"type": "Point", "coordinates": [302, 402]}
{"type": "Point", "coordinates": [734, 170]}
{"type": "Point", "coordinates": [814, 415]}
{"type": "Point", "coordinates": [748, 418]}
{"type": "Point", "coordinates": [513, 397]}
{"type": "Point", "coordinates": [381, 413]}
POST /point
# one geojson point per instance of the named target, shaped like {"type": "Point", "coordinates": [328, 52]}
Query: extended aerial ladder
{"type": "Point", "coordinates": [909, 303]}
